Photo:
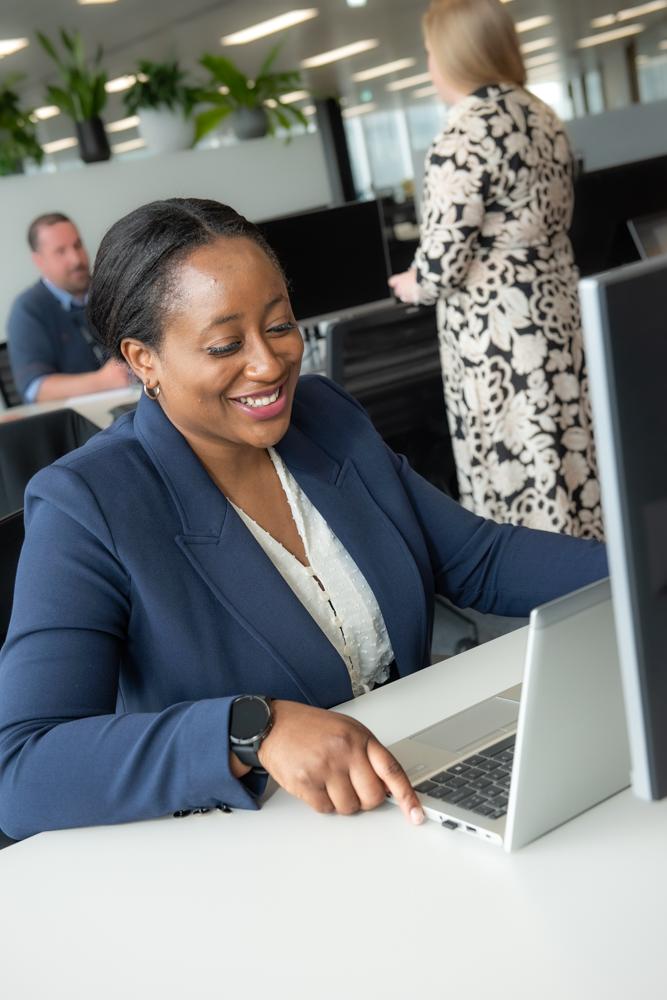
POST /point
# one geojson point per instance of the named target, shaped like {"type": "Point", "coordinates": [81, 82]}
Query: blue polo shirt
{"type": "Point", "coordinates": [48, 334]}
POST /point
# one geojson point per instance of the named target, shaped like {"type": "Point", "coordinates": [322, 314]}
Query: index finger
{"type": "Point", "coordinates": [396, 780]}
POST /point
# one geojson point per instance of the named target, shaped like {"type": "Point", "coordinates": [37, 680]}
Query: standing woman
{"type": "Point", "coordinates": [495, 256]}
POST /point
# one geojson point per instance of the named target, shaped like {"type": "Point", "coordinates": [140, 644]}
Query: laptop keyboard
{"type": "Point", "coordinates": [480, 783]}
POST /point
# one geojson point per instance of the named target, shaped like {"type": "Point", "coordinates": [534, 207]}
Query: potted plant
{"type": "Point", "coordinates": [18, 135]}
{"type": "Point", "coordinates": [164, 103]}
{"type": "Point", "coordinates": [82, 95]}
{"type": "Point", "coordinates": [255, 106]}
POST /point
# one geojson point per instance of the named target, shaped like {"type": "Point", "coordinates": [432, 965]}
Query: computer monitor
{"type": "Point", "coordinates": [334, 258]}
{"type": "Point", "coordinates": [625, 333]}
{"type": "Point", "coordinates": [650, 234]}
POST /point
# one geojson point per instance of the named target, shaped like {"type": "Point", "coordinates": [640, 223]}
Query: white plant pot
{"type": "Point", "coordinates": [165, 131]}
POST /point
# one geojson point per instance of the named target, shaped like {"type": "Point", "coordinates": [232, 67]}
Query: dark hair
{"type": "Point", "coordinates": [133, 276]}
{"type": "Point", "coordinates": [48, 219]}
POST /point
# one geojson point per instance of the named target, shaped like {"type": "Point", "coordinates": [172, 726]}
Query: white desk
{"type": "Point", "coordinates": [290, 904]}
{"type": "Point", "coordinates": [95, 406]}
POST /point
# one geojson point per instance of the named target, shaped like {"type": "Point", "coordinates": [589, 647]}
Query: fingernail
{"type": "Point", "coordinates": [417, 815]}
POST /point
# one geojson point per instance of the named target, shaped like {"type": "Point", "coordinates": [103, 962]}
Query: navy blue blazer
{"type": "Point", "coordinates": [143, 606]}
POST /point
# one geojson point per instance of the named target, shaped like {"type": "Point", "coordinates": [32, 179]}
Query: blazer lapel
{"type": "Point", "coordinates": [235, 568]}
{"type": "Point", "coordinates": [372, 540]}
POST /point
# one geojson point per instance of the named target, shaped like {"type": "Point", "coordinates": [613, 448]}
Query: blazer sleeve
{"type": "Point", "coordinates": [497, 568]}
{"type": "Point", "coordinates": [66, 757]}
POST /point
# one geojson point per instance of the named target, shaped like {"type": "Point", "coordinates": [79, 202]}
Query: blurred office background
{"type": "Point", "coordinates": [603, 69]}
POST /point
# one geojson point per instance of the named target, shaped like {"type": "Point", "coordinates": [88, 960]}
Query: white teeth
{"type": "Point", "coordinates": [256, 401]}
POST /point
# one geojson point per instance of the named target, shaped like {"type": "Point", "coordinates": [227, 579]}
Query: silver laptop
{"type": "Point", "coordinates": [518, 764]}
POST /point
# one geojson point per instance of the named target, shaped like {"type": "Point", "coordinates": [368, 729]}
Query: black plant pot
{"type": "Point", "coordinates": [93, 142]}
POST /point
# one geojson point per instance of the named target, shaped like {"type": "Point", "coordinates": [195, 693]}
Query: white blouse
{"type": "Point", "coordinates": [331, 587]}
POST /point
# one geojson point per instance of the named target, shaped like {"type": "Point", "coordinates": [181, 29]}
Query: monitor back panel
{"type": "Point", "coordinates": [625, 329]}
{"type": "Point", "coordinates": [333, 258]}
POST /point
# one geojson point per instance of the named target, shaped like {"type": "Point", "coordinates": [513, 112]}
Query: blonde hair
{"type": "Point", "coordinates": [474, 42]}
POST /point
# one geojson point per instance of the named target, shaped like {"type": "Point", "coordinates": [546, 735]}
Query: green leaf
{"type": "Point", "coordinates": [224, 72]}
{"type": "Point", "coordinates": [270, 59]}
{"type": "Point", "coordinates": [47, 45]}
{"type": "Point", "coordinates": [206, 121]}
{"type": "Point", "coordinates": [67, 40]}
{"type": "Point", "coordinates": [280, 116]}
{"type": "Point", "coordinates": [244, 93]}
{"type": "Point", "coordinates": [62, 99]}
{"type": "Point", "coordinates": [100, 94]}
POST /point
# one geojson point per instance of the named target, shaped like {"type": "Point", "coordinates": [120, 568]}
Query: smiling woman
{"type": "Point", "coordinates": [204, 579]}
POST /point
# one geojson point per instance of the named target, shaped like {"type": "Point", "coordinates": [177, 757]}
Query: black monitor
{"type": "Point", "coordinates": [334, 258]}
{"type": "Point", "coordinates": [650, 234]}
{"type": "Point", "coordinates": [604, 201]}
{"type": "Point", "coordinates": [625, 331]}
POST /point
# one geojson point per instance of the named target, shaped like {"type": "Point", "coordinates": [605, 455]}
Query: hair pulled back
{"type": "Point", "coordinates": [474, 42]}
{"type": "Point", "coordinates": [134, 273]}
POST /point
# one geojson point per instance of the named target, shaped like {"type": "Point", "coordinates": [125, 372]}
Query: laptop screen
{"type": "Point", "coordinates": [650, 234]}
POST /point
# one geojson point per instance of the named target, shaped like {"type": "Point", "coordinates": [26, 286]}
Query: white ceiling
{"type": "Point", "coordinates": [157, 29]}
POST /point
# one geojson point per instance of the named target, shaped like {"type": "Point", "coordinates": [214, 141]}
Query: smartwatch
{"type": "Point", "coordinates": [249, 724]}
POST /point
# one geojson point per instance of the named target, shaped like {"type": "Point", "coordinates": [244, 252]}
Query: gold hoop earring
{"type": "Point", "coordinates": [153, 392]}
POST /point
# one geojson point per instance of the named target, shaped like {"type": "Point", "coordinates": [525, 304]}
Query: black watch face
{"type": "Point", "coordinates": [249, 718]}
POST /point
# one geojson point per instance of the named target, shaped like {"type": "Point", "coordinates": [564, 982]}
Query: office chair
{"type": "Point", "coordinates": [30, 443]}
{"type": "Point", "coordinates": [389, 360]}
{"type": "Point", "coordinates": [11, 540]}
{"type": "Point", "coordinates": [8, 390]}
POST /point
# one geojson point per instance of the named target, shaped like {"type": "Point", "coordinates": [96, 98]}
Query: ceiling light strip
{"type": "Point", "coordinates": [47, 111]}
{"type": "Point", "coordinates": [8, 46]}
{"type": "Point", "coordinates": [537, 44]}
{"type": "Point", "coordinates": [344, 52]}
{"type": "Point", "coordinates": [122, 124]}
{"type": "Point", "coordinates": [128, 145]}
{"type": "Point", "coordinates": [609, 36]}
{"type": "Point", "coordinates": [425, 92]}
{"type": "Point", "coordinates": [359, 109]}
{"type": "Point", "coordinates": [59, 144]}
{"type": "Point", "coordinates": [391, 67]}
{"type": "Point", "coordinates": [409, 81]}
{"type": "Point", "coordinates": [532, 23]}
{"type": "Point", "coordinates": [119, 83]}
{"type": "Point", "coordinates": [263, 28]}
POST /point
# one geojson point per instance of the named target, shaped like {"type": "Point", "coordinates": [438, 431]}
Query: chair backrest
{"type": "Point", "coordinates": [11, 540]}
{"type": "Point", "coordinates": [8, 390]}
{"type": "Point", "coordinates": [389, 359]}
{"type": "Point", "coordinates": [30, 443]}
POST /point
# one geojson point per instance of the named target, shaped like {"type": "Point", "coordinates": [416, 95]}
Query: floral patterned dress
{"type": "Point", "coordinates": [495, 256]}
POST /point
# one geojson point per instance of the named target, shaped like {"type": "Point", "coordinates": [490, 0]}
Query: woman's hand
{"type": "Point", "coordinates": [405, 286]}
{"type": "Point", "coordinates": [333, 763]}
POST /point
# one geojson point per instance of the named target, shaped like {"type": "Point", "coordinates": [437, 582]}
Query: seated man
{"type": "Point", "coordinates": [52, 351]}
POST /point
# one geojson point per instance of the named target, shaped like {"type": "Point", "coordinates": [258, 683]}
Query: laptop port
{"type": "Point", "coordinates": [451, 824]}
{"type": "Point", "coordinates": [471, 829]}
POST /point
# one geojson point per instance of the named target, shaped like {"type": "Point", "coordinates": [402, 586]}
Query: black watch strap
{"type": "Point", "coordinates": [248, 755]}
{"type": "Point", "coordinates": [249, 725]}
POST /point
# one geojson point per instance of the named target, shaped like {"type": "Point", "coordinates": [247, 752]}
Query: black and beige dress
{"type": "Point", "coordinates": [495, 256]}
